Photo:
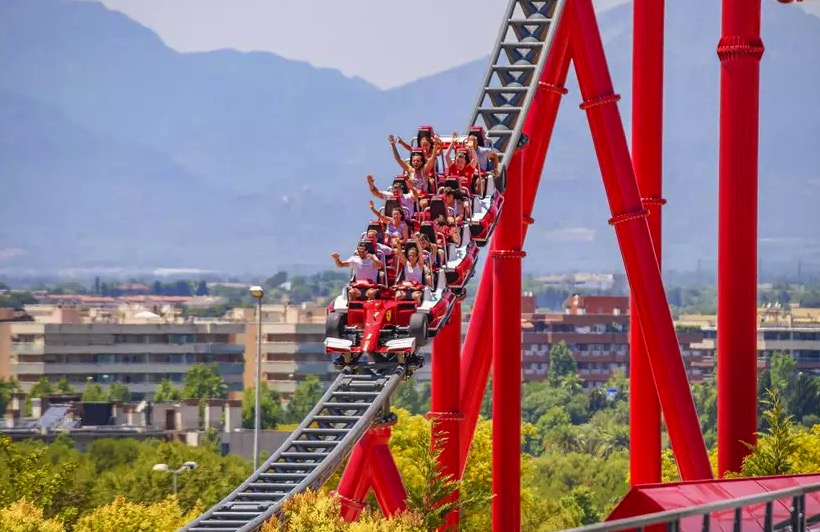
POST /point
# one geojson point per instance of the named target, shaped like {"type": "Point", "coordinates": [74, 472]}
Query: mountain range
{"type": "Point", "coordinates": [119, 152]}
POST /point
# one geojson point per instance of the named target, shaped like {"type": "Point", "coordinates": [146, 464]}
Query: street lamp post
{"type": "Point", "coordinates": [187, 466]}
{"type": "Point", "coordinates": [258, 293]}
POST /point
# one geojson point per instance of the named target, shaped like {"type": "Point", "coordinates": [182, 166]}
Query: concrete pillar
{"type": "Point", "coordinates": [11, 418]}
{"type": "Point", "coordinates": [213, 413]}
{"type": "Point", "coordinates": [18, 401]}
{"type": "Point", "coordinates": [36, 407]}
{"type": "Point", "coordinates": [233, 415]}
{"type": "Point", "coordinates": [130, 416]}
{"type": "Point", "coordinates": [118, 412]}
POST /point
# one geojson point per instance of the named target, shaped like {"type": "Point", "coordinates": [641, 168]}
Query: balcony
{"type": "Point", "coordinates": [79, 368]}
{"type": "Point", "coordinates": [154, 349]}
{"type": "Point", "coordinates": [292, 348]}
{"type": "Point", "coordinates": [28, 368]}
{"type": "Point", "coordinates": [27, 348]}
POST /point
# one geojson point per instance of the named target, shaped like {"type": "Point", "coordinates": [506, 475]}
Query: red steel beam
{"type": "Point", "coordinates": [632, 231]}
{"type": "Point", "coordinates": [476, 355]}
{"type": "Point", "coordinates": [387, 484]}
{"type": "Point", "coordinates": [356, 479]}
{"type": "Point", "coordinates": [445, 401]}
{"type": "Point", "coordinates": [740, 49]}
{"type": "Point", "coordinates": [506, 343]}
{"type": "Point", "coordinates": [647, 159]}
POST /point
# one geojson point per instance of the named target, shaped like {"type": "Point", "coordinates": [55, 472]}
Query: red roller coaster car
{"type": "Point", "coordinates": [385, 329]}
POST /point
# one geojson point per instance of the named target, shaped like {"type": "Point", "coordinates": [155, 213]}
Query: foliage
{"type": "Point", "coordinates": [64, 386]}
{"type": "Point", "coordinates": [124, 516]}
{"type": "Point", "coordinates": [798, 391]}
{"type": "Point", "coordinates": [307, 394]}
{"type": "Point", "coordinates": [119, 391]}
{"type": "Point", "coordinates": [6, 389]}
{"type": "Point", "coordinates": [270, 408]}
{"type": "Point", "coordinates": [40, 388]}
{"type": "Point", "coordinates": [562, 364]}
{"type": "Point", "coordinates": [94, 393]}
{"type": "Point", "coordinates": [772, 454]}
{"type": "Point", "coordinates": [412, 397]}
{"type": "Point", "coordinates": [316, 511]}
{"type": "Point", "coordinates": [28, 475]}
{"type": "Point", "coordinates": [22, 516]}
{"type": "Point", "coordinates": [17, 300]}
{"type": "Point", "coordinates": [166, 392]}
{"type": "Point", "coordinates": [204, 382]}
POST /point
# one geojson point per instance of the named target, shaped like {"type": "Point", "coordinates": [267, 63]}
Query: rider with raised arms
{"type": "Point", "coordinates": [365, 267]}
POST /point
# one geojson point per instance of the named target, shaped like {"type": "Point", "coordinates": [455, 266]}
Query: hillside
{"type": "Point", "coordinates": [118, 151]}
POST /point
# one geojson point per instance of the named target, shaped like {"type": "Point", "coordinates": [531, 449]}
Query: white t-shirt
{"type": "Point", "coordinates": [483, 155]}
{"type": "Point", "coordinates": [419, 181]}
{"type": "Point", "coordinates": [364, 269]}
{"type": "Point", "coordinates": [413, 275]}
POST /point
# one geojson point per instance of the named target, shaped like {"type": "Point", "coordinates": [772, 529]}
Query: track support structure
{"type": "Point", "coordinates": [506, 344]}
{"type": "Point", "coordinates": [445, 411]}
{"type": "Point", "coordinates": [647, 159]}
{"type": "Point", "coordinates": [635, 241]}
{"type": "Point", "coordinates": [371, 465]}
{"type": "Point", "coordinates": [739, 50]}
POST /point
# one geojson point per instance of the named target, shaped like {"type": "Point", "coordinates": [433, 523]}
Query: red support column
{"type": "Point", "coordinates": [476, 355]}
{"type": "Point", "coordinates": [387, 483]}
{"type": "Point", "coordinates": [647, 159]}
{"type": "Point", "coordinates": [507, 356]}
{"type": "Point", "coordinates": [632, 231]}
{"type": "Point", "coordinates": [444, 403]}
{"type": "Point", "coordinates": [739, 50]}
{"type": "Point", "coordinates": [356, 479]}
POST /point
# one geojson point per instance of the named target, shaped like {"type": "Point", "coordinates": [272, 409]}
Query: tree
{"type": "Point", "coordinates": [6, 389]}
{"type": "Point", "coordinates": [166, 392]}
{"type": "Point", "coordinates": [125, 516]}
{"type": "Point", "coordinates": [562, 363]}
{"type": "Point", "coordinates": [276, 280]}
{"type": "Point", "coordinates": [119, 392]}
{"type": "Point", "coordinates": [64, 386]}
{"type": "Point", "coordinates": [41, 387]}
{"type": "Point", "coordinates": [270, 408]}
{"type": "Point", "coordinates": [28, 475]}
{"type": "Point", "coordinates": [408, 397]}
{"type": "Point", "coordinates": [202, 288]}
{"type": "Point", "coordinates": [157, 288]}
{"type": "Point", "coordinates": [22, 516]}
{"type": "Point", "coordinates": [773, 453]}
{"type": "Point", "coordinates": [308, 392]}
{"type": "Point", "coordinates": [94, 393]}
{"type": "Point", "coordinates": [487, 400]}
{"type": "Point", "coordinates": [204, 382]}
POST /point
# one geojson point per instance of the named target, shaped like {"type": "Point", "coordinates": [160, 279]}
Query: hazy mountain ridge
{"type": "Point", "coordinates": [230, 160]}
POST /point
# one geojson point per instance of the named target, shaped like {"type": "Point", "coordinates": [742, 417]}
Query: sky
{"type": "Point", "coordinates": [349, 36]}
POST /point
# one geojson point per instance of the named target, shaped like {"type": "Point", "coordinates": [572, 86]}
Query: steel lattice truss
{"type": "Point", "coordinates": [352, 404]}
{"type": "Point", "coordinates": [516, 65]}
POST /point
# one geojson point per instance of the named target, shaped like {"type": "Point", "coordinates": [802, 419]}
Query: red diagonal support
{"type": "Point", "coordinates": [632, 231]}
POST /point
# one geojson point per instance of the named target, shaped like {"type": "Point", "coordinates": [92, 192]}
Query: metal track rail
{"type": "Point", "coordinates": [516, 64]}
{"type": "Point", "coordinates": [352, 404]}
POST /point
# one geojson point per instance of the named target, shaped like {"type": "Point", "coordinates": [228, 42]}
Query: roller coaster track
{"type": "Point", "coordinates": [356, 401]}
{"type": "Point", "coordinates": [353, 403]}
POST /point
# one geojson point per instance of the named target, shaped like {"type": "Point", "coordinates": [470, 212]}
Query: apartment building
{"type": "Point", "coordinates": [792, 330]}
{"type": "Point", "coordinates": [596, 329]}
{"type": "Point", "coordinates": [132, 345]}
{"type": "Point", "coordinates": [292, 346]}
